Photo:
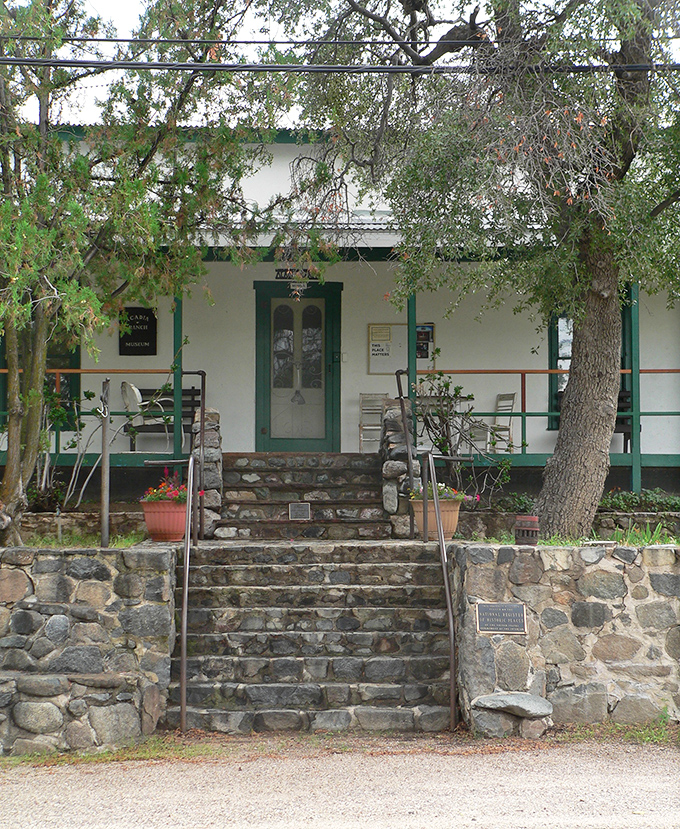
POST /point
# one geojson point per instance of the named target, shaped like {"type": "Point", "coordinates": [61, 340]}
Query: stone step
{"type": "Point", "coordinates": [319, 511]}
{"type": "Point", "coordinates": [316, 552]}
{"type": "Point", "coordinates": [295, 596]}
{"type": "Point", "coordinates": [300, 575]}
{"type": "Point", "coordinates": [273, 619]}
{"type": "Point", "coordinates": [369, 490]}
{"type": "Point", "coordinates": [301, 460]}
{"type": "Point", "coordinates": [339, 529]}
{"type": "Point", "coordinates": [295, 669]}
{"type": "Point", "coordinates": [359, 718]}
{"type": "Point", "coordinates": [234, 696]}
{"type": "Point", "coordinates": [319, 643]}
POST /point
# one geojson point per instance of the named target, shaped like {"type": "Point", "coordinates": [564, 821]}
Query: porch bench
{"type": "Point", "coordinates": [624, 421]}
{"type": "Point", "coordinates": [156, 410]}
{"type": "Point", "coordinates": [624, 424]}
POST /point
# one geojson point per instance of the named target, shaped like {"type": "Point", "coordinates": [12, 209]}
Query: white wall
{"type": "Point", "coordinates": [659, 349]}
{"type": "Point", "coordinates": [222, 342]}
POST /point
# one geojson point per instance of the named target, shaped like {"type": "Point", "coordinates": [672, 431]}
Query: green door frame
{"type": "Point", "coordinates": [264, 293]}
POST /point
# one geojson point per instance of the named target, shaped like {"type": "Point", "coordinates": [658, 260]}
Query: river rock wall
{"type": "Point", "coordinates": [602, 641]}
{"type": "Point", "coordinates": [85, 643]}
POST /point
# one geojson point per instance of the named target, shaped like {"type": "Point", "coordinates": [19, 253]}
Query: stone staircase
{"type": "Point", "coordinates": [344, 492]}
{"type": "Point", "coordinates": [315, 636]}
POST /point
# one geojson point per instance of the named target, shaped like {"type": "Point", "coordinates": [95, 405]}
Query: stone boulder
{"type": "Point", "coordinates": [517, 703]}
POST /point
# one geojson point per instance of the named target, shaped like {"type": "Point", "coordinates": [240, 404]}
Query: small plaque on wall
{"type": "Point", "coordinates": [140, 326]}
{"type": "Point", "coordinates": [501, 617]}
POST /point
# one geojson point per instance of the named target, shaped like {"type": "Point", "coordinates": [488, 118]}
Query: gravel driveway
{"type": "Point", "coordinates": [426, 786]}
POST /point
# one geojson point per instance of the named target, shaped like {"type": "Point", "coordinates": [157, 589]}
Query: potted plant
{"type": "Point", "coordinates": [450, 500]}
{"type": "Point", "coordinates": [165, 508]}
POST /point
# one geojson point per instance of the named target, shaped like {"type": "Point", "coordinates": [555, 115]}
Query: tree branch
{"type": "Point", "coordinates": [667, 202]}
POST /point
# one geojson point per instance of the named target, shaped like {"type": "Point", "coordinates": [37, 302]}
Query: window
{"type": "Point", "coordinates": [560, 336]}
{"type": "Point", "coordinates": [58, 356]}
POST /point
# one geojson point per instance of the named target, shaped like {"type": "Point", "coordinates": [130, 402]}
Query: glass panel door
{"type": "Point", "coordinates": [297, 361]}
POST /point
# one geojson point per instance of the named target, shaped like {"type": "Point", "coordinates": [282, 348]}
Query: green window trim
{"type": "Point", "coordinates": [553, 357]}
{"type": "Point", "coordinates": [70, 360]}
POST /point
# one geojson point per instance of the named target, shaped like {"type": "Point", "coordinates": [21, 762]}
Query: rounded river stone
{"type": "Point", "coordinates": [615, 648]}
{"type": "Point", "coordinates": [37, 717]}
{"type": "Point", "coordinates": [57, 628]}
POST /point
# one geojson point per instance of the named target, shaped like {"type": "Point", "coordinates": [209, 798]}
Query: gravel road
{"type": "Point", "coordinates": [518, 786]}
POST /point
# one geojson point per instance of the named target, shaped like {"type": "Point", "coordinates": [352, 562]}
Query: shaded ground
{"type": "Point", "coordinates": [290, 782]}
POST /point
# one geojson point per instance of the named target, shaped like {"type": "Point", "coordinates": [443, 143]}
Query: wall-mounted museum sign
{"type": "Point", "coordinates": [140, 332]}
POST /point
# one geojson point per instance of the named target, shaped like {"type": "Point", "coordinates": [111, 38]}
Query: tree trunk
{"type": "Point", "coordinates": [24, 405]}
{"type": "Point", "coordinates": [574, 478]}
{"type": "Point", "coordinates": [34, 365]}
{"type": "Point", "coordinates": [12, 491]}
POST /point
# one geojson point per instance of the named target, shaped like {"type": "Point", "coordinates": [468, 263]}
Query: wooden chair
{"type": "Point", "coordinates": [370, 421]}
{"type": "Point", "coordinates": [497, 436]}
{"type": "Point", "coordinates": [151, 415]}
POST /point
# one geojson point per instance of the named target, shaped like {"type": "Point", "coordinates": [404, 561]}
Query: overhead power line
{"type": "Point", "coordinates": [331, 69]}
{"type": "Point", "coordinates": [269, 42]}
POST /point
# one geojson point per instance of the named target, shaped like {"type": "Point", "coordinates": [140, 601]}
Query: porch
{"type": "Point", "coordinates": [235, 343]}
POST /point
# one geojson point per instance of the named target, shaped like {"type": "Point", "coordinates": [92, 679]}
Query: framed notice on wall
{"type": "Point", "coordinates": [388, 346]}
{"type": "Point", "coordinates": [140, 332]}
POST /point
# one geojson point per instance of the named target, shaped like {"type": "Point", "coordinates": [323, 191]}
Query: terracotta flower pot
{"type": "Point", "coordinates": [165, 520]}
{"type": "Point", "coordinates": [449, 512]}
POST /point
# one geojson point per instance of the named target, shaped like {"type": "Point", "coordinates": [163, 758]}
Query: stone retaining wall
{"type": "Point", "coordinates": [85, 644]}
{"type": "Point", "coordinates": [602, 642]}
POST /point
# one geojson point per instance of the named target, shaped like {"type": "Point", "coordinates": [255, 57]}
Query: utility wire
{"type": "Point", "coordinates": [335, 69]}
{"type": "Point", "coordinates": [218, 42]}
{"type": "Point", "coordinates": [300, 43]}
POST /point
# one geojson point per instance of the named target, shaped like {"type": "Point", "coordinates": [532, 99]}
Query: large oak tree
{"type": "Point", "coordinates": [548, 152]}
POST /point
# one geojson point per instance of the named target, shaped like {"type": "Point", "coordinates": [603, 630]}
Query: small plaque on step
{"type": "Point", "coordinates": [299, 511]}
{"type": "Point", "coordinates": [501, 617]}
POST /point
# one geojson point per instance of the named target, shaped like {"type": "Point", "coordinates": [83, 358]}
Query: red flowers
{"type": "Point", "coordinates": [169, 489]}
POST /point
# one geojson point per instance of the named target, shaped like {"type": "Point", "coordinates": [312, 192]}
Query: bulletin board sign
{"type": "Point", "coordinates": [388, 346]}
{"type": "Point", "coordinates": [141, 330]}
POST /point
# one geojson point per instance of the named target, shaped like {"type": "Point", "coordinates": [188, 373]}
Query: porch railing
{"type": "Point", "coordinates": [524, 455]}
{"type": "Point", "coordinates": [85, 412]}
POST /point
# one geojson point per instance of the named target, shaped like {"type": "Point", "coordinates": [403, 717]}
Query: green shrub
{"type": "Point", "coordinates": [649, 500]}
{"type": "Point", "coordinates": [518, 502]}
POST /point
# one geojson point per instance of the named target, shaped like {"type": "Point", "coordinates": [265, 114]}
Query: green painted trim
{"type": "Point", "coordinates": [177, 342]}
{"type": "Point", "coordinates": [412, 363]}
{"type": "Point", "coordinates": [119, 460]}
{"type": "Point", "coordinates": [634, 380]}
{"type": "Point", "coordinates": [666, 461]}
{"type": "Point", "coordinates": [264, 293]}
{"type": "Point", "coordinates": [375, 254]}
{"type": "Point", "coordinates": [553, 379]}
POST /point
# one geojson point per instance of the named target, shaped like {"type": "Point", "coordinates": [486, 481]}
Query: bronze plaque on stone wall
{"type": "Point", "coordinates": [300, 511]}
{"type": "Point", "coordinates": [501, 617]}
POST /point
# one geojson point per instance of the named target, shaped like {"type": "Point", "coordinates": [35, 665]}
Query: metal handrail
{"type": "Point", "coordinates": [185, 597]}
{"type": "Point", "coordinates": [429, 467]}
